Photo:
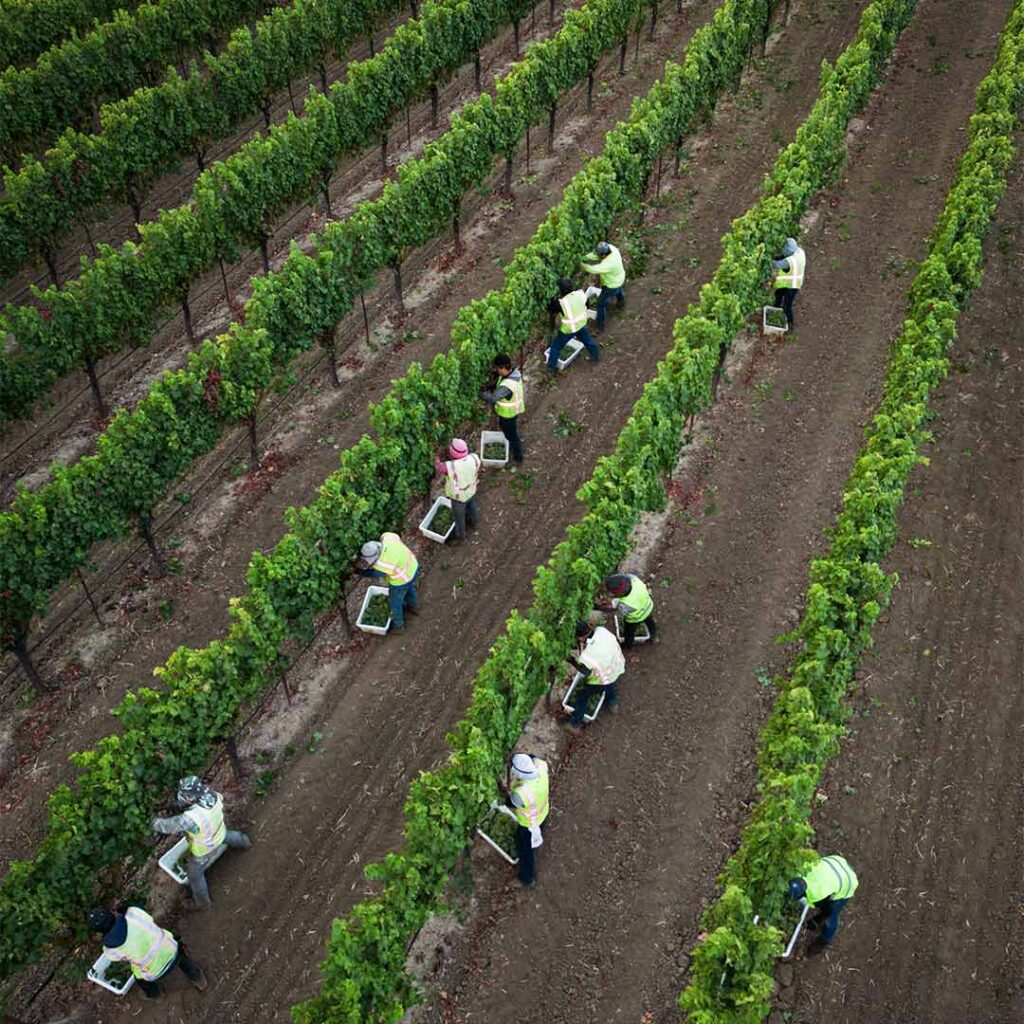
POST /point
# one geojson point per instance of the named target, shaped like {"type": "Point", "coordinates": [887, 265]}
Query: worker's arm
{"type": "Point", "coordinates": [500, 393]}
{"type": "Point", "coordinates": [370, 574]}
{"type": "Point", "coordinates": [597, 268]}
{"type": "Point", "coordinates": [579, 666]}
{"type": "Point", "coordinates": [440, 467]}
{"type": "Point", "coordinates": [169, 826]}
{"type": "Point", "coordinates": [780, 264]}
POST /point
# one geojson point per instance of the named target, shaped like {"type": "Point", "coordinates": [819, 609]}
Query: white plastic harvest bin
{"type": "Point", "coordinates": [379, 630]}
{"type": "Point", "coordinates": [576, 679]}
{"type": "Point", "coordinates": [169, 861]}
{"type": "Point", "coordinates": [643, 634]}
{"type": "Point", "coordinates": [493, 437]}
{"type": "Point", "coordinates": [771, 328]}
{"type": "Point", "coordinates": [573, 346]}
{"type": "Point", "coordinates": [439, 502]}
{"type": "Point", "coordinates": [98, 974]}
{"type": "Point", "coordinates": [497, 847]}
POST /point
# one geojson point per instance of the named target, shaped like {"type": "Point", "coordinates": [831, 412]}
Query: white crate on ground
{"type": "Point", "coordinates": [643, 634]}
{"type": "Point", "coordinates": [768, 328]}
{"type": "Point", "coordinates": [574, 348]}
{"type": "Point", "coordinates": [492, 843]}
{"type": "Point", "coordinates": [366, 627]}
{"type": "Point", "coordinates": [576, 680]}
{"type": "Point", "coordinates": [98, 974]}
{"type": "Point", "coordinates": [493, 437]}
{"type": "Point", "coordinates": [439, 502]}
{"type": "Point", "coordinates": [169, 861]}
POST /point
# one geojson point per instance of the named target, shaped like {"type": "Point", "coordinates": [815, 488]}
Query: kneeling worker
{"type": "Point", "coordinates": [633, 601]}
{"type": "Point", "coordinates": [528, 798]}
{"type": "Point", "coordinates": [152, 952]}
{"type": "Point", "coordinates": [571, 310]}
{"type": "Point", "coordinates": [388, 558]}
{"type": "Point", "coordinates": [461, 473]}
{"type": "Point", "coordinates": [202, 821]}
{"type": "Point", "coordinates": [827, 886]}
{"type": "Point", "coordinates": [602, 662]}
{"type": "Point", "coordinates": [606, 262]}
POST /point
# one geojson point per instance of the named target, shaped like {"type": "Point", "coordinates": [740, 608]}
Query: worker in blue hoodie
{"type": "Point", "coordinates": [150, 951]}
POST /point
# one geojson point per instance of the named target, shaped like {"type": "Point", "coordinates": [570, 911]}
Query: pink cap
{"type": "Point", "coordinates": [458, 449]}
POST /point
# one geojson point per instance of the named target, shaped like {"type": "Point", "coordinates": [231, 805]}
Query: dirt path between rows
{"type": "Point", "coordinates": [382, 716]}
{"type": "Point", "coordinates": [644, 811]}
{"type": "Point", "coordinates": [925, 798]}
{"type": "Point", "coordinates": [220, 520]}
{"type": "Point", "coordinates": [68, 430]}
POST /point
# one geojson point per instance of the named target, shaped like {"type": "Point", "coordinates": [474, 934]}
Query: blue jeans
{"type": "Point", "coordinates": [603, 300]}
{"type": "Point", "coordinates": [560, 340]}
{"type": "Point", "coordinates": [401, 597]}
{"type": "Point", "coordinates": [583, 694]}
{"type": "Point", "coordinates": [829, 911]}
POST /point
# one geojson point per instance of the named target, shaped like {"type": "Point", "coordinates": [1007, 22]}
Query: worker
{"type": "Point", "coordinates": [606, 262]}
{"type": "Point", "coordinates": [789, 277]}
{"type": "Point", "coordinates": [508, 399]}
{"type": "Point", "coordinates": [152, 952]}
{"type": "Point", "coordinates": [202, 821]}
{"type": "Point", "coordinates": [461, 472]}
{"type": "Point", "coordinates": [827, 887]}
{"type": "Point", "coordinates": [631, 598]}
{"type": "Point", "coordinates": [602, 663]}
{"type": "Point", "coordinates": [388, 558]}
{"type": "Point", "coordinates": [528, 800]}
{"type": "Point", "coordinates": [571, 310]}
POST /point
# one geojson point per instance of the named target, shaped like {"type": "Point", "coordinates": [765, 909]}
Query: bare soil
{"type": "Point", "coordinates": [648, 809]}
{"type": "Point", "coordinates": [925, 799]}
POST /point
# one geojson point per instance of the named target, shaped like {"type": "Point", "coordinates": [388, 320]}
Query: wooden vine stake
{"type": "Point", "coordinates": [551, 13]}
{"type": "Point", "coordinates": [94, 384]}
{"type": "Point", "coordinates": [590, 89]}
{"type": "Point", "coordinates": [186, 312]}
{"type": "Point", "coordinates": [231, 747]}
{"type": "Point", "coordinates": [366, 318]}
{"type": "Point", "coordinates": [622, 55]}
{"type": "Point", "coordinates": [551, 128]}
{"type": "Point", "coordinates": [224, 282]}
{"type": "Point", "coordinates": [433, 106]}
{"type": "Point", "coordinates": [457, 232]}
{"type": "Point", "coordinates": [384, 154]}
{"type": "Point", "coordinates": [328, 340]}
{"type": "Point", "coordinates": [254, 448]}
{"type": "Point", "coordinates": [476, 72]}
{"type": "Point", "coordinates": [20, 648]}
{"type": "Point", "coordinates": [508, 175]}
{"type": "Point", "coordinates": [397, 270]}
{"type": "Point", "coordinates": [654, 17]}
{"type": "Point", "coordinates": [515, 38]}
{"type": "Point", "coordinates": [146, 530]}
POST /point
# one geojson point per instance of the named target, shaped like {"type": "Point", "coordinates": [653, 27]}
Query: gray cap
{"type": "Point", "coordinates": [371, 550]}
{"type": "Point", "coordinates": [603, 248]}
{"type": "Point", "coordinates": [523, 767]}
{"type": "Point", "coordinates": [790, 247]}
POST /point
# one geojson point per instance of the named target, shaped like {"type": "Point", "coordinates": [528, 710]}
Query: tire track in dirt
{"type": "Point", "coordinates": [642, 820]}
{"type": "Point", "coordinates": [926, 799]}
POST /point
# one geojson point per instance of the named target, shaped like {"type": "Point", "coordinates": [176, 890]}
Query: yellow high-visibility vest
{"type": "Point", "coordinates": [396, 561]}
{"type": "Point", "coordinates": [534, 794]}
{"type": "Point", "coordinates": [831, 877]}
{"type": "Point", "coordinates": [794, 277]}
{"type": "Point", "coordinates": [149, 949]}
{"type": "Point", "coordinates": [638, 604]}
{"type": "Point", "coordinates": [210, 830]}
{"type": "Point", "coordinates": [516, 402]}
{"type": "Point", "coordinates": [461, 478]}
{"type": "Point", "coordinates": [574, 311]}
{"type": "Point", "coordinates": [603, 656]}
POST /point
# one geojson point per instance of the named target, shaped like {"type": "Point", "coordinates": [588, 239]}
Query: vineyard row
{"type": "Point", "coordinates": [364, 977]}
{"type": "Point", "coordinates": [29, 27]}
{"type": "Point", "coordinates": [46, 534]}
{"type": "Point", "coordinates": [170, 731]}
{"type": "Point", "coordinates": [732, 969]}
{"type": "Point", "coordinates": [148, 133]}
{"type": "Point", "coordinates": [114, 59]}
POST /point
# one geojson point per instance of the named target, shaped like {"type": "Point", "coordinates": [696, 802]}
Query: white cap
{"type": "Point", "coordinates": [371, 550]}
{"type": "Point", "coordinates": [522, 767]}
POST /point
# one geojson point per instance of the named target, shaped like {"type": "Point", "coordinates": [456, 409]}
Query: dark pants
{"type": "Point", "coordinates": [629, 630]}
{"type": "Point", "coordinates": [585, 692]}
{"type": "Point", "coordinates": [464, 512]}
{"type": "Point", "coordinates": [604, 299]}
{"type": "Point", "coordinates": [828, 911]}
{"type": "Point", "coordinates": [510, 428]}
{"type": "Point", "coordinates": [560, 340]}
{"type": "Point", "coordinates": [784, 298]}
{"type": "Point", "coordinates": [527, 856]}
{"type": "Point", "coordinates": [402, 597]}
{"type": "Point", "coordinates": [182, 961]}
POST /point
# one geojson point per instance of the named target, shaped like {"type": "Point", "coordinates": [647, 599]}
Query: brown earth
{"type": "Point", "coordinates": [224, 519]}
{"type": "Point", "coordinates": [786, 443]}
{"type": "Point", "coordinates": [67, 426]}
{"type": "Point", "coordinates": [925, 798]}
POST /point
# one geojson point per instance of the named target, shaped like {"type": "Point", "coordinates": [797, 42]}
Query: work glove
{"type": "Point", "coordinates": [155, 826]}
{"type": "Point", "coordinates": [495, 805]}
